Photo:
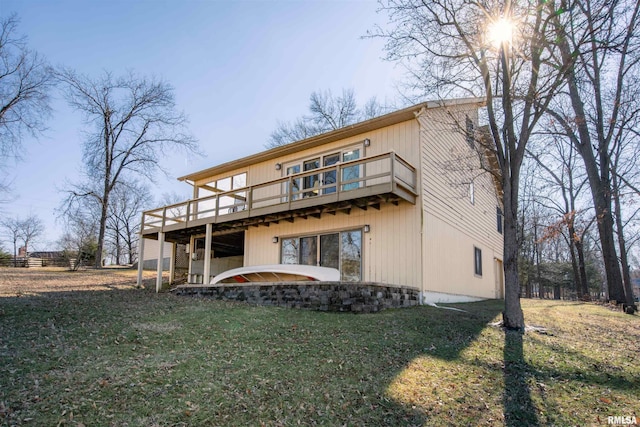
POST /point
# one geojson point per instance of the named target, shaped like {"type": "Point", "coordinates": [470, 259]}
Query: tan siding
{"type": "Point", "coordinates": [391, 251]}
{"type": "Point", "coordinates": [452, 224]}
{"type": "Point", "coordinates": [400, 138]}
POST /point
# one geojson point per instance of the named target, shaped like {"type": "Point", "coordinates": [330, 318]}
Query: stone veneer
{"type": "Point", "coordinates": [323, 296]}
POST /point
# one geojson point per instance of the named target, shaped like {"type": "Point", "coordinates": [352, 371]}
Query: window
{"type": "Point", "coordinates": [229, 183]}
{"type": "Point", "coordinates": [311, 181]}
{"type": "Point", "coordinates": [340, 250]}
{"type": "Point", "coordinates": [308, 250]}
{"type": "Point", "coordinates": [330, 176]}
{"type": "Point", "coordinates": [477, 261]}
{"type": "Point", "coordinates": [351, 173]}
{"type": "Point", "coordinates": [290, 251]}
{"type": "Point", "coordinates": [499, 218]}
{"type": "Point", "coordinates": [295, 183]}
{"type": "Point", "coordinates": [351, 256]}
{"type": "Point", "coordinates": [472, 193]}
{"type": "Point", "coordinates": [470, 133]}
{"type": "Point", "coordinates": [229, 200]}
{"type": "Point", "coordinates": [324, 182]}
{"type": "Point", "coordinates": [330, 250]}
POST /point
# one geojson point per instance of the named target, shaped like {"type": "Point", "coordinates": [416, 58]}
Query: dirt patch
{"type": "Point", "coordinates": [37, 281]}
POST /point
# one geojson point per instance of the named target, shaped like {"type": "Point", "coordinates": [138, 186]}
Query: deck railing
{"type": "Point", "coordinates": [367, 176]}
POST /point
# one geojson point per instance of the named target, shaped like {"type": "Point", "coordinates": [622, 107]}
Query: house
{"type": "Point", "coordinates": [400, 199]}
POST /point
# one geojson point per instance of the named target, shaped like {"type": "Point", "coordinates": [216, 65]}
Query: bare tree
{"type": "Point", "coordinates": [453, 48]}
{"type": "Point", "coordinates": [24, 230]}
{"type": "Point", "coordinates": [559, 182]}
{"type": "Point", "coordinates": [123, 221]}
{"type": "Point", "coordinates": [12, 228]}
{"type": "Point", "coordinates": [599, 43]}
{"type": "Point", "coordinates": [133, 122]}
{"type": "Point", "coordinates": [79, 242]}
{"type": "Point", "coordinates": [25, 82]}
{"type": "Point", "coordinates": [30, 229]}
{"type": "Point", "coordinates": [328, 112]}
{"type": "Point", "coordinates": [625, 173]}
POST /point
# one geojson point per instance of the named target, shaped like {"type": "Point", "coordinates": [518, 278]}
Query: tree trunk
{"type": "Point", "coordinates": [129, 243]}
{"type": "Point", "coordinates": [536, 256]}
{"type": "Point", "coordinates": [584, 283]}
{"type": "Point", "coordinates": [626, 274]}
{"type": "Point", "coordinates": [101, 231]}
{"type": "Point", "coordinates": [598, 176]}
{"type": "Point", "coordinates": [15, 253]}
{"type": "Point", "coordinates": [118, 247]}
{"type": "Point", "coordinates": [605, 230]}
{"type": "Point", "coordinates": [601, 195]}
{"type": "Point", "coordinates": [512, 317]}
{"type": "Point", "coordinates": [574, 264]}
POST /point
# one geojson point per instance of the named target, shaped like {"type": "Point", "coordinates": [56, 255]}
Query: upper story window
{"type": "Point", "coordinates": [472, 193]}
{"type": "Point", "coordinates": [499, 219]}
{"type": "Point", "coordinates": [324, 182]}
{"type": "Point", "coordinates": [229, 200]}
{"type": "Point", "coordinates": [470, 133]}
{"type": "Point", "coordinates": [223, 185]}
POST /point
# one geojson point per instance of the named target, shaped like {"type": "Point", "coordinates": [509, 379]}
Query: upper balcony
{"type": "Point", "coordinates": [359, 183]}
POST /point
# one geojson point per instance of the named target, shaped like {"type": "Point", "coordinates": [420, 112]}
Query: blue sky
{"type": "Point", "coordinates": [237, 67]}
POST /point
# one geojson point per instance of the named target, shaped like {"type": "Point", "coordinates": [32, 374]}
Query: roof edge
{"type": "Point", "coordinates": [388, 119]}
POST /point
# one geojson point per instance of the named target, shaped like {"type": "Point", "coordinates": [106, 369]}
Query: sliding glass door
{"type": "Point", "coordinates": [340, 250]}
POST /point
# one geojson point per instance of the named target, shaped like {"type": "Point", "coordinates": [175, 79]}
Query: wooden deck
{"type": "Point", "coordinates": [362, 183]}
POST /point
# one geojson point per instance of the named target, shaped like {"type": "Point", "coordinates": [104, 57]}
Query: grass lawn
{"type": "Point", "coordinates": [110, 354]}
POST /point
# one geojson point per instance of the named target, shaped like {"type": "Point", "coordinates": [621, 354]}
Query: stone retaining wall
{"type": "Point", "coordinates": [322, 296]}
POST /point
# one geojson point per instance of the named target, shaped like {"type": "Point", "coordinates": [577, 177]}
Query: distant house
{"type": "Point", "coordinates": [400, 199]}
{"type": "Point", "coordinates": [47, 255]}
{"type": "Point", "coordinates": [38, 259]}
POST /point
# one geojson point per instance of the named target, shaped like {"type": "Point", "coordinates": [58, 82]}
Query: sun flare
{"type": "Point", "coordinates": [501, 31]}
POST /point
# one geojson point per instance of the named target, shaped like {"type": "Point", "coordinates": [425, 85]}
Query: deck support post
{"type": "Point", "coordinates": [172, 263]}
{"type": "Point", "coordinates": [207, 254]}
{"type": "Point", "coordinates": [141, 240]}
{"type": "Point", "coordinates": [160, 261]}
{"type": "Point", "coordinates": [191, 250]}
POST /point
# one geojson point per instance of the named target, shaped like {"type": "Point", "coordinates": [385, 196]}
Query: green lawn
{"type": "Point", "coordinates": [128, 357]}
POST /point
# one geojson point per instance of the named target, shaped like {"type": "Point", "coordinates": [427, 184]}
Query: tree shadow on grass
{"type": "Point", "coordinates": [519, 409]}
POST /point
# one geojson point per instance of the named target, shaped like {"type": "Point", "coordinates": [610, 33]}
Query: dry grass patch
{"type": "Point", "coordinates": [39, 281]}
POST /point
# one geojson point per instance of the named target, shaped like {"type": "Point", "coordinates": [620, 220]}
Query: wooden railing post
{"type": "Point", "coordinates": [393, 169]}
{"type": "Point", "coordinates": [140, 258]}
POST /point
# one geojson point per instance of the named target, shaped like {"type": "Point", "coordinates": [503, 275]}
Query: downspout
{"type": "Point", "coordinates": [421, 204]}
